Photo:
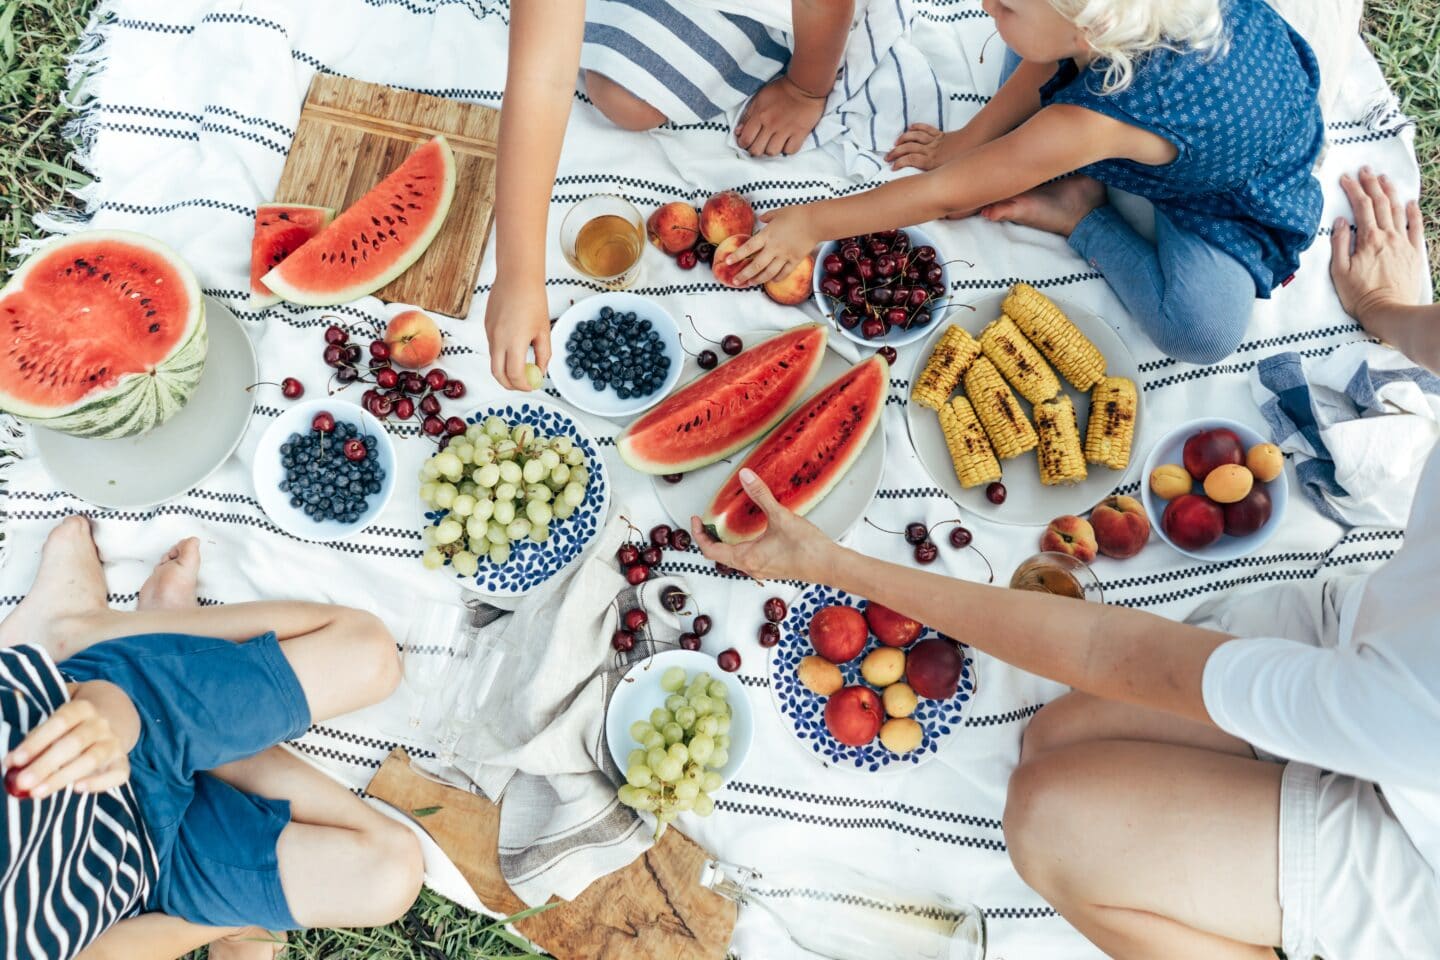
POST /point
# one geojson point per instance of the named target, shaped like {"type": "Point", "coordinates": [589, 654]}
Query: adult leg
{"type": "Point", "coordinates": [69, 586]}
{"type": "Point", "coordinates": [620, 106]}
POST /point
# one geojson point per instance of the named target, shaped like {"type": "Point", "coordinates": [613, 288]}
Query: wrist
{"type": "Point", "coordinates": [808, 91]}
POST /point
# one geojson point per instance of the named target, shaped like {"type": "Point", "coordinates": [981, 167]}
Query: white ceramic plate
{"type": "Point", "coordinates": [837, 514]}
{"type": "Point", "coordinates": [581, 392]}
{"type": "Point", "coordinates": [1168, 449]}
{"type": "Point", "coordinates": [895, 338]}
{"type": "Point", "coordinates": [134, 472]}
{"type": "Point", "coordinates": [1027, 500]}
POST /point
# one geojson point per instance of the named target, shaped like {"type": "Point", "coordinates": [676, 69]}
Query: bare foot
{"type": "Point", "coordinates": [1053, 207]}
{"type": "Point", "coordinates": [173, 583]}
{"type": "Point", "coordinates": [69, 585]}
{"type": "Point", "coordinates": [252, 943]}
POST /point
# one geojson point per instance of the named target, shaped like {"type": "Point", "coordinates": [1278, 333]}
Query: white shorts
{"type": "Point", "coordinates": [1352, 884]}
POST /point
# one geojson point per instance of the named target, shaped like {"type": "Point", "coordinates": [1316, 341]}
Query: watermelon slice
{"type": "Point", "coordinates": [728, 408]}
{"type": "Point", "coordinates": [803, 459]}
{"type": "Point", "coordinates": [104, 335]}
{"type": "Point", "coordinates": [377, 238]}
{"type": "Point", "coordinates": [280, 230]}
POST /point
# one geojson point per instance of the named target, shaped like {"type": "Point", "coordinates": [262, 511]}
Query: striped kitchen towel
{"type": "Point", "coordinates": [1359, 424]}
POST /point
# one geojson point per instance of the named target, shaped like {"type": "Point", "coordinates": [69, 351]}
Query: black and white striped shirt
{"type": "Point", "coordinates": [72, 864]}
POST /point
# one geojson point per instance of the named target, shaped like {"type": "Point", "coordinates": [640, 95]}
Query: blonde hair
{"type": "Point", "coordinates": [1122, 31]}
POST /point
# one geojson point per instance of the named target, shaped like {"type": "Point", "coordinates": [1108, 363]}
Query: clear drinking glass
{"type": "Point", "coordinates": [435, 638]}
{"type": "Point", "coordinates": [476, 670]}
{"type": "Point", "coordinates": [603, 237]}
{"type": "Point", "coordinates": [1059, 574]}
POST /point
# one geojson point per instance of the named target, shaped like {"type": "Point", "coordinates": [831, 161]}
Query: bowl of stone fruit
{"type": "Point", "coordinates": [885, 288]}
{"type": "Point", "coordinates": [615, 354]}
{"type": "Point", "coordinates": [324, 469]}
{"type": "Point", "coordinates": [1215, 489]}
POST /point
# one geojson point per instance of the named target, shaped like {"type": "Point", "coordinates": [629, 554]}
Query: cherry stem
{"type": "Point", "coordinates": [697, 331]}
{"type": "Point", "coordinates": [971, 545]}
{"type": "Point", "coordinates": [261, 383]}
{"type": "Point", "coordinates": [898, 533]}
{"type": "Point", "coordinates": [638, 532]}
{"type": "Point", "coordinates": [959, 260]}
{"type": "Point", "coordinates": [986, 44]}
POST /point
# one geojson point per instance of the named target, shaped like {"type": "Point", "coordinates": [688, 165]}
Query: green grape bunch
{"type": "Point", "coordinates": [498, 484]}
{"type": "Point", "coordinates": [681, 749]}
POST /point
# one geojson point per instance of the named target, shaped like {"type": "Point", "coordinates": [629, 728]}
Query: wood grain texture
{"type": "Point", "coordinates": [654, 909]}
{"type": "Point", "coordinates": [351, 134]}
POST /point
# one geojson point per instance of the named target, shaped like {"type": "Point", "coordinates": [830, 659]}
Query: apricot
{"type": "Point", "coordinates": [883, 666]}
{"type": "Point", "coordinates": [899, 700]}
{"type": "Point", "coordinates": [819, 676]}
{"type": "Point", "coordinates": [1228, 483]}
{"type": "Point", "coordinates": [1170, 480]}
{"type": "Point", "coordinates": [1265, 461]}
{"type": "Point", "coordinates": [901, 735]}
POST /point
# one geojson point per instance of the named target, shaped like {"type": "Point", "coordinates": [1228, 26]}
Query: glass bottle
{"type": "Point", "coordinates": [852, 917]}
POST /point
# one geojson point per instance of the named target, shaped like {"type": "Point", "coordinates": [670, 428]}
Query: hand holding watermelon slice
{"type": "Point", "coordinates": [790, 548]}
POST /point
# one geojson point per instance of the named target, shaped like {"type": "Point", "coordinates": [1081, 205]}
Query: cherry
{"type": "Point", "coordinates": [455, 389]}
{"type": "Point", "coordinates": [660, 535]}
{"type": "Point", "coordinates": [729, 660]}
{"type": "Point", "coordinates": [832, 265]}
{"type": "Point", "coordinates": [354, 449]}
{"type": "Point", "coordinates": [705, 251]}
{"type": "Point", "coordinates": [995, 493]}
{"type": "Point", "coordinates": [379, 349]}
{"type": "Point", "coordinates": [885, 266]}
{"type": "Point", "coordinates": [832, 287]}
{"type": "Point", "coordinates": [888, 352]}
{"type": "Point", "coordinates": [651, 556]}
{"type": "Point", "coordinates": [769, 634]}
{"type": "Point", "coordinates": [731, 344]}
{"type": "Point", "coordinates": [917, 297]}
{"type": "Point", "coordinates": [381, 407]}
{"type": "Point", "coordinates": [404, 408]}
{"type": "Point", "coordinates": [855, 296]}
{"type": "Point", "coordinates": [775, 610]}
{"type": "Point", "coordinates": [386, 378]}
{"type": "Point", "coordinates": [850, 252]}
{"type": "Point", "coordinates": [686, 259]}
{"type": "Point", "coordinates": [960, 538]}
{"type": "Point", "coordinates": [430, 404]}
{"type": "Point", "coordinates": [367, 396]}
{"type": "Point", "coordinates": [623, 641]}
{"type": "Point", "coordinates": [436, 379]}
{"type": "Point", "coordinates": [673, 477]}
{"type": "Point", "coordinates": [688, 641]}
{"type": "Point", "coordinates": [347, 374]}
{"type": "Point", "coordinates": [897, 317]}
{"type": "Point", "coordinates": [925, 254]}
{"type": "Point", "coordinates": [878, 248]}
{"type": "Point", "coordinates": [850, 319]}
{"type": "Point", "coordinates": [879, 296]}
{"type": "Point", "coordinates": [702, 624]}
{"type": "Point", "coordinates": [637, 574]}
{"type": "Point", "coordinates": [901, 243]}
{"type": "Point", "coordinates": [851, 280]}
{"type": "Point", "coordinates": [455, 426]}
{"type": "Point", "coordinates": [292, 389]}
{"type": "Point", "coordinates": [673, 599]}
{"type": "Point", "coordinates": [395, 396]}
{"type": "Point", "coordinates": [865, 267]}
{"type": "Point", "coordinates": [934, 274]}
{"type": "Point", "coordinates": [433, 426]}
{"type": "Point", "coordinates": [334, 355]}
{"type": "Point", "coordinates": [413, 383]}
{"type": "Point", "coordinates": [336, 335]}
{"type": "Point", "coordinates": [872, 329]}
{"type": "Point", "coordinates": [635, 619]}
{"type": "Point", "coordinates": [628, 554]}
{"type": "Point", "coordinates": [323, 422]}
{"type": "Point", "coordinates": [11, 776]}
{"type": "Point", "coordinates": [916, 533]}
{"type": "Point", "coordinates": [680, 540]}
{"type": "Point", "coordinates": [706, 359]}
{"type": "Point", "coordinates": [352, 353]}
{"type": "Point", "coordinates": [926, 552]}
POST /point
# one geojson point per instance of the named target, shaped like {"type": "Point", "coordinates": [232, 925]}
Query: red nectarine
{"type": "Point", "coordinates": [1193, 522]}
{"type": "Point", "coordinates": [838, 633]}
{"type": "Point", "coordinates": [854, 715]}
{"type": "Point", "coordinates": [891, 628]}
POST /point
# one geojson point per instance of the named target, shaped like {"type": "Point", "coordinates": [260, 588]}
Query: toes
{"type": "Point", "coordinates": [188, 552]}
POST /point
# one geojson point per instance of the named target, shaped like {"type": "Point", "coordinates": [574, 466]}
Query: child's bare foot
{"type": "Point", "coordinates": [69, 585]}
{"type": "Point", "coordinates": [252, 943]}
{"type": "Point", "coordinates": [1053, 207]}
{"type": "Point", "coordinates": [174, 580]}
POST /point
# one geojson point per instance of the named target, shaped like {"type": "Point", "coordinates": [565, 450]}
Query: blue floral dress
{"type": "Point", "coordinates": [1247, 123]}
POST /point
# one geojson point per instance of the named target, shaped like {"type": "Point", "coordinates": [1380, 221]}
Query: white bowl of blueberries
{"type": "Point", "coordinates": [324, 469]}
{"type": "Point", "coordinates": [615, 354]}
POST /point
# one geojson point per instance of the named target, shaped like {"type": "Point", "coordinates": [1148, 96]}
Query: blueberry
{"type": "Point", "coordinates": [598, 383]}
{"type": "Point", "coordinates": [645, 325]}
{"type": "Point", "coordinates": [622, 393]}
{"type": "Point", "coordinates": [606, 313]}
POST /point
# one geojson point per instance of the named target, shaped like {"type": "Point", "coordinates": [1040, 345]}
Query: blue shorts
{"type": "Point", "coordinates": [205, 702]}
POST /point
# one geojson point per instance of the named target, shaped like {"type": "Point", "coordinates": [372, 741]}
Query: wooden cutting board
{"type": "Point", "coordinates": [654, 909]}
{"type": "Point", "coordinates": [351, 134]}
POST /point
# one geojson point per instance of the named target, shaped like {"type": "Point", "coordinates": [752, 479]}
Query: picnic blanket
{"type": "Point", "coordinates": [188, 110]}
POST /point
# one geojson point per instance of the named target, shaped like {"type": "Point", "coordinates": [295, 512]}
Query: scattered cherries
{"type": "Point", "coordinates": [995, 493]}
{"type": "Point", "coordinates": [729, 660]}
{"type": "Point", "coordinates": [926, 552]}
{"type": "Point", "coordinates": [769, 635]}
{"type": "Point", "coordinates": [775, 610]}
{"type": "Point", "coordinates": [398, 393]}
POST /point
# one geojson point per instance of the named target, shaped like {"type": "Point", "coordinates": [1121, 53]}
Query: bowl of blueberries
{"type": "Point", "coordinates": [615, 354]}
{"type": "Point", "coordinates": [324, 469]}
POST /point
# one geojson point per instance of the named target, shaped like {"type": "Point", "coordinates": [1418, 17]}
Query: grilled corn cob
{"type": "Point", "coordinates": [1018, 360]}
{"type": "Point", "coordinates": [1005, 423]}
{"type": "Point", "coordinates": [1061, 341]}
{"type": "Point", "coordinates": [970, 449]}
{"type": "Point", "coordinates": [952, 357]}
{"type": "Point", "coordinates": [1111, 430]}
{"type": "Point", "coordinates": [1059, 453]}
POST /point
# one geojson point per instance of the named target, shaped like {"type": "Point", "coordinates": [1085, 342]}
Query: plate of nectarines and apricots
{"type": "Point", "coordinates": [865, 688]}
{"type": "Point", "coordinates": [1024, 407]}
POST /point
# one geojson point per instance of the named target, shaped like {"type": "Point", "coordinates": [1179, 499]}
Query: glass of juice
{"type": "Point", "coordinates": [603, 237]}
{"type": "Point", "coordinates": [1059, 574]}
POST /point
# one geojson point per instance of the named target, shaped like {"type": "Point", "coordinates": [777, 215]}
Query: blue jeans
{"type": "Point", "coordinates": [1190, 297]}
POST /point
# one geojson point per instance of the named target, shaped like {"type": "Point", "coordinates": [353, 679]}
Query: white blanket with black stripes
{"type": "Point", "coordinates": [188, 112]}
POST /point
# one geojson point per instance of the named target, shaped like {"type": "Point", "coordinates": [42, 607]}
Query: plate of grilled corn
{"type": "Point", "coordinates": [1036, 395]}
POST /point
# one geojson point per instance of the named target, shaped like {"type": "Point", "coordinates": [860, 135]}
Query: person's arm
{"type": "Point", "coordinates": [156, 936]}
{"type": "Point", "coordinates": [545, 38]}
{"type": "Point", "coordinates": [1379, 281]}
{"type": "Point", "coordinates": [85, 744]}
{"type": "Point", "coordinates": [784, 111]}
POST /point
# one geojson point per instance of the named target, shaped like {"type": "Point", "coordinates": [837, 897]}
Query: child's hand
{"type": "Point", "coordinates": [86, 743]}
{"type": "Point", "coordinates": [1388, 263]}
{"type": "Point", "coordinates": [924, 147]}
{"type": "Point", "coordinates": [776, 250]}
{"type": "Point", "coordinates": [517, 318]}
{"type": "Point", "coordinates": [778, 119]}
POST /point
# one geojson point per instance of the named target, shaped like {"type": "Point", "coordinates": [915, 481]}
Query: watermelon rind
{"type": "Point", "coordinates": [261, 296]}
{"type": "Point", "coordinates": [720, 379]}
{"type": "Point", "coordinates": [285, 280]}
{"type": "Point", "coordinates": [139, 401]}
{"type": "Point", "coordinates": [801, 503]}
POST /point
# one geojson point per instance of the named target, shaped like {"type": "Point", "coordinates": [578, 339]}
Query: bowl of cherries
{"type": "Point", "coordinates": [882, 288]}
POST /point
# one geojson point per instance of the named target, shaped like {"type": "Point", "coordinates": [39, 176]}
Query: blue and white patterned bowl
{"type": "Point", "coordinates": [531, 564]}
{"type": "Point", "coordinates": [804, 711]}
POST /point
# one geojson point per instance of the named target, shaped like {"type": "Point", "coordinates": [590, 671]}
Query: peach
{"type": "Point", "coordinates": [413, 338]}
{"type": "Point", "coordinates": [899, 700]}
{"type": "Point", "coordinates": [1265, 461]}
{"type": "Point", "coordinates": [794, 287]}
{"type": "Point", "coordinates": [1121, 527]}
{"type": "Point", "coordinates": [1244, 517]}
{"type": "Point", "coordinates": [838, 633]}
{"type": "Point", "coordinates": [1072, 535]}
{"type": "Point", "coordinates": [854, 715]}
{"type": "Point", "coordinates": [1228, 483]}
{"type": "Point", "coordinates": [674, 228]}
{"type": "Point", "coordinates": [727, 272]}
{"type": "Point", "coordinates": [819, 676]}
{"type": "Point", "coordinates": [901, 735]}
{"type": "Point", "coordinates": [883, 666]}
{"type": "Point", "coordinates": [891, 628]}
{"type": "Point", "coordinates": [725, 215]}
{"type": "Point", "coordinates": [1209, 449]}
{"type": "Point", "coordinates": [1170, 480]}
{"type": "Point", "coordinates": [1193, 522]}
{"type": "Point", "coordinates": [933, 668]}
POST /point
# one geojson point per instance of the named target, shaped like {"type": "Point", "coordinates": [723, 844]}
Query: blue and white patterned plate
{"type": "Point", "coordinates": [804, 711]}
{"type": "Point", "coordinates": [531, 564]}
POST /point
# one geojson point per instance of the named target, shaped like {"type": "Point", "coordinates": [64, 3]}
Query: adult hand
{"type": "Point", "coordinates": [778, 119]}
{"type": "Point", "coordinates": [776, 250]}
{"type": "Point", "coordinates": [83, 744]}
{"type": "Point", "coordinates": [517, 318]}
{"type": "Point", "coordinates": [791, 548]}
{"type": "Point", "coordinates": [1387, 265]}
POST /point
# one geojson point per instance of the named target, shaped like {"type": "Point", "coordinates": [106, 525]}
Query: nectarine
{"type": "Point", "coordinates": [854, 715]}
{"type": "Point", "coordinates": [891, 628]}
{"type": "Point", "coordinates": [794, 287]}
{"type": "Point", "coordinates": [725, 215]}
{"type": "Point", "coordinates": [1170, 480]}
{"type": "Point", "coordinates": [838, 633]}
{"type": "Point", "coordinates": [1244, 517]}
{"type": "Point", "coordinates": [819, 676]}
{"type": "Point", "coordinates": [1193, 522]}
{"type": "Point", "coordinates": [1265, 461]}
{"type": "Point", "coordinates": [883, 666]}
{"type": "Point", "coordinates": [933, 668]}
{"type": "Point", "coordinates": [1209, 449]}
{"type": "Point", "coordinates": [413, 338]}
{"type": "Point", "coordinates": [1228, 483]}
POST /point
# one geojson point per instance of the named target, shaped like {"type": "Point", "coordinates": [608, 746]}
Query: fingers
{"type": "Point", "coordinates": [769, 215]}
{"type": "Point", "coordinates": [1363, 209]}
{"type": "Point", "coordinates": [776, 144]}
{"type": "Point", "coordinates": [1340, 246]}
{"type": "Point", "coordinates": [762, 269]}
{"type": "Point", "coordinates": [108, 778]}
{"type": "Point", "coordinates": [917, 160]}
{"type": "Point", "coordinates": [542, 351]}
{"type": "Point", "coordinates": [1415, 225]}
{"type": "Point", "coordinates": [1397, 208]}
{"type": "Point", "coordinates": [89, 760]}
{"type": "Point", "coordinates": [747, 249]}
{"type": "Point", "coordinates": [710, 547]}
{"type": "Point", "coordinates": [515, 368]}
{"type": "Point", "coordinates": [756, 490]}
{"type": "Point", "coordinates": [748, 133]}
{"type": "Point", "coordinates": [924, 128]}
{"type": "Point", "coordinates": [1379, 202]}
{"type": "Point", "coordinates": [50, 730]}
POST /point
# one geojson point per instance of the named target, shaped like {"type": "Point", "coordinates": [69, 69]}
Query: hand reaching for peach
{"type": "Point", "coordinates": [773, 252]}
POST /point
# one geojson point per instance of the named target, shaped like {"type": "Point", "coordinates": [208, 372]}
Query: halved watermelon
{"type": "Point", "coordinates": [727, 408]}
{"type": "Point", "coordinates": [280, 230]}
{"type": "Point", "coordinates": [104, 335]}
{"type": "Point", "coordinates": [803, 459]}
{"type": "Point", "coordinates": [377, 238]}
